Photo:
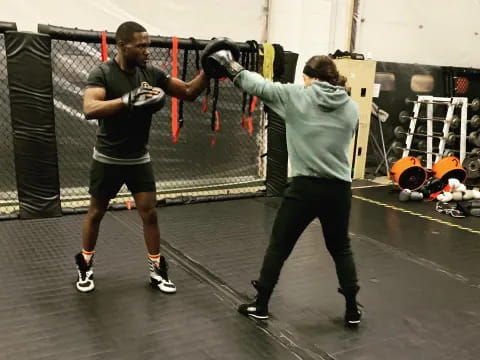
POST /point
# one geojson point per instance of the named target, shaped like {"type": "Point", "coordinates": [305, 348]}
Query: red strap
{"type": "Point", "coordinates": [250, 125]}
{"type": "Point", "coordinates": [213, 140]}
{"type": "Point", "coordinates": [244, 121]}
{"type": "Point", "coordinates": [253, 104]}
{"type": "Point", "coordinates": [217, 121]}
{"type": "Point", "coordinates": [205, 104]}
{"type": "Point", "coordinates": [104, 46]}
{"type": "Point", "coordinates": [175, 127]}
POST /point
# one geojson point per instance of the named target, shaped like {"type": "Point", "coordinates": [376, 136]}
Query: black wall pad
{"type": "Point", "coordinates": [288, 75]}
{"type": "Point", "coordinates": [7, 26]}
{"type": "Point", "coordinates": [31, 102]}
{"type": "Point", "coordinates": [277, 156]}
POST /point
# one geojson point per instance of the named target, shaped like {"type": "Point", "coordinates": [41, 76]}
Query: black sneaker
{"type": "Point", "coordinates": [352, 314]}
{"type": "Point", "coordinates": [259, 308]}
{"type": "Point", "coordinates": [352, 318]}
{"type": "Point", "coordinates": [159, 277]}
{"type": "Point", "coordinates": [253, 310]}
{"type": "Point", "coordinates": [84, 282]}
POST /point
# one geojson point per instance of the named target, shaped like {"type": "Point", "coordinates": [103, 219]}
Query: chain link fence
{"type": "Point", "coordinates": [189, 169]}
{"type": "Point", "coordinates": [8, 186]}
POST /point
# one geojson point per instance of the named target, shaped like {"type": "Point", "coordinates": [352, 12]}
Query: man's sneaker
{"type": "Point", "coordinates": [85, 274]}
{"type": "Point", "coordinates": [159, 277]}
{"type": "Point", "coordinates": [259, 308]}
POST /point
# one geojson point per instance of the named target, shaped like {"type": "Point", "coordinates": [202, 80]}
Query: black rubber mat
{"type": "Point", "coordinates": [449, 249]}
{"type": "Point", "coordinates": [43, 317]}
{"type": "Point", "coordinates": [388, 195]}
{"type": "Point", "coordinates": [419, 279]}
{"type": "Point", "coordinates": [414, 308]}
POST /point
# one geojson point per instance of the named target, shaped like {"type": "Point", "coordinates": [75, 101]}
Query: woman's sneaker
{"type": "Point", "coordinates": [253, 310]}
{"type": "Point", "coordinates": [259, 308]}
{"type": "Point", "coordinates": [353, 317]}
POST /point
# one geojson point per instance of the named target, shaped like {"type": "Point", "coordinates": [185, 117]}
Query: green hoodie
{"type": "Point", "coordinates": [320, 120]}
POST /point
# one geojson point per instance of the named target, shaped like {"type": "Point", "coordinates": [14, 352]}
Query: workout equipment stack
{"type": "Point", "coordinates": [441, 144]}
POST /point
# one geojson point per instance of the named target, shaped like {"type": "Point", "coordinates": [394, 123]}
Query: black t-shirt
{"type": "Point", "coordinates": [125, 134]}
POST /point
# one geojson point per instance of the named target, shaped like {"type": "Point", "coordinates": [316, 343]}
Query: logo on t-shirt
{"type": "Point", "coordinates": [145, 85]}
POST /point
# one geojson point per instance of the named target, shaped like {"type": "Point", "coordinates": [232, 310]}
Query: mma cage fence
{"type": "Point", "coordinates": [218, 154]}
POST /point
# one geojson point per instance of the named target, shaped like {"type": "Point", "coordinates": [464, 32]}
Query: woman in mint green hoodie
{"type": "Point", "coordinates": [320, 120]}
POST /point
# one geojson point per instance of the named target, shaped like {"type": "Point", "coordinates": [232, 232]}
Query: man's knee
{"type": "Point", "coordinates": [148, 214]}
{"type": "Point", "coordinates": [96, 214]}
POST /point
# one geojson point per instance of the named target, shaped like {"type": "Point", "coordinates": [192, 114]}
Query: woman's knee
{"type": "Point", "coordinates": [339, 250]}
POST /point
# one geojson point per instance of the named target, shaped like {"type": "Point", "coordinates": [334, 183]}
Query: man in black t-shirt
{"type": "Point", "coordinates": [122, 94]}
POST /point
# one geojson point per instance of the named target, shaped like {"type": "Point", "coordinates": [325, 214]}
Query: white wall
{"type": "Point", "coordinates": [309, 27]}
{"type": "Point", "coordinates": [183, 18]}
{"type": "Point", "coordinates": [433, 32]}
{"type": "Point", "coordinates": [436, 32]}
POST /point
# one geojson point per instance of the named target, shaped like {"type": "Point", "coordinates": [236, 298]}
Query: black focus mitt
{"type": "Point", "coordinates": [144, 97]}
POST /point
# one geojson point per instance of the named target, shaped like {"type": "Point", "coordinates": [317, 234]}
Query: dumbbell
{"type": "Point", "coordinates": [475, 104]}
{"type": "Point", "coordinates": [455, 122]}
{"type": "Point", "coordinates": [400, 133]}
{"type": "Point", "coordinates": [452, 152]}
{"type": "Point", "coordinates": [474, 122]}
{"type": "Point", "coordinates": [398, 147]}
{"type": "Point", "coordinates": [404, 118]}
{"type": "Point", "coordinates": [474, 138]}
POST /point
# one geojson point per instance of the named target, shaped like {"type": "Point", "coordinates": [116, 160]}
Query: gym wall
{"type": "Point", "coordinates": [205, 19]}
{"type": "Point", "coordinates": [405, 31]}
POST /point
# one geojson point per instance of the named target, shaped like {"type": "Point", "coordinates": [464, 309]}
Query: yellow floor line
{"type": "Point", "coordinates": [443, 222]}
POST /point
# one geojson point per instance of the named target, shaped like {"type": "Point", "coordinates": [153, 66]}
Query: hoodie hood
{"type": "Point", "coordinates": [328, 97]}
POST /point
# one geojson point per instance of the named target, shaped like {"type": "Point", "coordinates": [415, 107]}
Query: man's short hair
{"type": "Point", "coordinates": [125, 31]}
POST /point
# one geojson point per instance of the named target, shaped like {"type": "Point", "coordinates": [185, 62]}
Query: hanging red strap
{"type": "Point", "coordinates": [205, 104]}
{"type": "Point", "coordinates": [175, 127]}
{"type": "Point", "coordinates": [104, 46]}
{"type": "Point", "coordinates": [213, 141]}
{"type": "Point", "coordinates": [217, 121]}
{"type": "Point", "coordinates": [253, 104]}
{"type": "Point", "coordinates": [244, 121]}
{"type": "Point", "coordinates": [251, 110]}
{"type": "Point", "coordinates": [250, 125]}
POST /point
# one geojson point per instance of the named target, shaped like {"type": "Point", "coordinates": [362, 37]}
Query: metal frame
{"type": "Point", "coordinates": [451, 104]}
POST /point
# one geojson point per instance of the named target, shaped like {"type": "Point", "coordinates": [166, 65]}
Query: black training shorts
{"type": "Point", "coordinates": [107, 179]}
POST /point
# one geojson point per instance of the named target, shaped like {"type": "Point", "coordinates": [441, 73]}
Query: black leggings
{"type": "Point", "coordinates": [305, 199]}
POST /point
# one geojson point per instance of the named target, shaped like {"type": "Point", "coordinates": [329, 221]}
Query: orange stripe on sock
{"type": "Point", "coordinates": [154, 256]}
{"type": "Point", "coordinates": [85, 252]}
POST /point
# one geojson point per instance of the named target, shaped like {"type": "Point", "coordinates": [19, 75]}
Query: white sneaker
{"type": "Point", "coordinates": [159, 277]}
{"type": "Point", "coordinates": [84, 281]}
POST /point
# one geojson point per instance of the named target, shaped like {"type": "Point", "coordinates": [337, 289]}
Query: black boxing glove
{"type": "Point", "coordinates": [144, 97]}
{"type": "Point", "coordinates": [219, 66]}
{"type": "Point", "coordinates": [223, 64]}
